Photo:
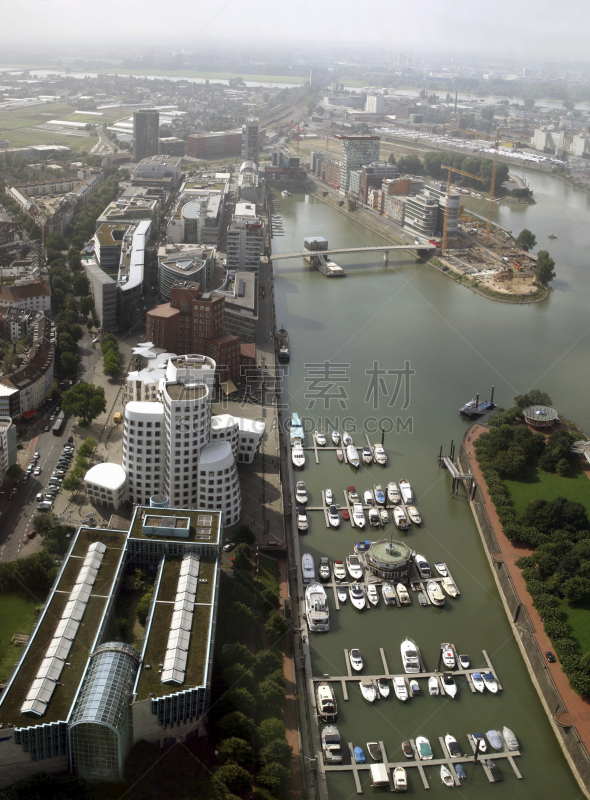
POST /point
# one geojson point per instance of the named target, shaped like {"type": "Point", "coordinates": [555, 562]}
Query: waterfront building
{"type": "Point", "coordinates": [421, 215]}
{"type": "Point", "coordinates": [146, 123]}
{"type": "Point", "coordinates": [356, 151]}
{"type": "Point", "coordinates": [245, 239]}
{"type": "Point", "coordinates": [389, 560]}
{"type": "Point", "coordinates": [439, 192]}
{"type": "Point", "coordinates": [184, 262]}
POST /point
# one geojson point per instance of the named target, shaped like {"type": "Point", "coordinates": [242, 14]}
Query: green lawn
{"type": "Point", "coordinates": [579, 619]}
{"type": "Point", "coordinates": [17, 615]}
{"type": "Point", "coordinates": [268, 573]}
{"type": "Point", "coordinates": [537, 484]}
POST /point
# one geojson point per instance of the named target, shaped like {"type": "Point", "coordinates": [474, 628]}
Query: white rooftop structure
{"type": "Point", "coordinates": [106, 484]}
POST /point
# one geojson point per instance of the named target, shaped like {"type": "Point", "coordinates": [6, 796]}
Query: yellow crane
{"type": "Point", "coordinates": [492, 188]}
{"type": "Point", "coordinates": [447, 203]}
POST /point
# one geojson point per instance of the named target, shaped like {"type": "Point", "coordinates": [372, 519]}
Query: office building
{"type": "Point", "coordinates": [439, 192]}
{"type": "Point", "coordinates": [241, 305]}
{"type": "Point", "coordinates": [184, 262]}
{"type": "Point", "coordinates": [103, 290]}
{"type": "Point", "coordinates": [374, 104]}
{"type": "Point", "coordinates": [250, 142]}
{"type": "Point", "coordinates": [356, 151]}
{"type": "Point", "coordinates": [146, 123]}
{"type": "Point", "coordinates": [421, 215]}
{"type": "Point", "coordinates": [245, 239]}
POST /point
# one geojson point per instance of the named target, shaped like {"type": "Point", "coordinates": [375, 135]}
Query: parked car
{"type": "Point", "coordinates": [95, 341]}
{"type": "Point", "coordinates": [31, 534]}
{"type": "Point", "coordinates": [36, 456]}
{"type": "Point", "coordinates": [39, 497]}
{"type": "Point", "coordinates": [229, 546]}
{"type": "Point", "coordinates": [37, 471]}
{"type": "Point", "coordinates": [550, 657]}
{"type": "Point", "coordinates": [46, 428]}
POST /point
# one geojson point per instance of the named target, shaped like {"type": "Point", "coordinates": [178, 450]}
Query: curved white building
{"type": "Point", "coordinates": [192, 368]}
{"type": "Point", "coordinates": [219, 487]}
{"type": "Point", "coordinates": [144, 450]}
{"type": "Point", "coordinates": [106, 485]}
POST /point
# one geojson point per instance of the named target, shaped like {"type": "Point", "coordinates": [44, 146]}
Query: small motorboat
{"type": "Point", "coordinates": [415, 688]}
{"type": "Point", "coordinates": [422, 599]}
{"type": "Point", "coordinates": [393, 494]}
{"type": "Point", "coordinates": [320, 438]}
{"type": "Point", "coordinates": [301, 493]}
{"type": "Point", "coordinates": [339, 570]}
{"type": "Point", "coordinates": [374, 518]}
{"type": "Point", "coordinates": [353, 456]}
{"type": "Point", "coordinates": [400, 519]}
{"type": "Point", "coordinates": [490, 682]}
{"type": "Point", "coordinates": [495, 739]}
{"type": "Point", "coordinates": [406, 490]}
{"type": "Point", "coordinates": [339, 455]}
{"type": "Point", "coordinates": [359, 756]}
{"type": "Point", "coordinates": [355, 658]}
{"type": "Point", "coordinates": [368, 690]}
{"type": "Point", "coordinates": [372, 594]}
{"type": "Point", "coordinates": [424, 749]}
{"type": "Point", "coordinates": [380, 455]}
{"type": "Point", "coordinates": [461, 774]}
{"type": "Point", "coordinates": [448, 656]}
{"type": "Point", "coordinates": [329, 497]}
{"type": "Point", "coordinates": [383, 516]}
{"type": "Point", "coordinates": [368, 498]}
{"type": "Point", "coordinates": [379, 494]}
{"type": "Point", "coordinates": [551, 236]}
{"type": "Point", "coordinates": [478, 681]}
{"type": "Point", "coordinates": [362, 547]}
{"type": "Point", "coordinates": [298, 456]}
{"type": "Point", "coordinates": [414, 516]}
{"type": "Point", "coordinates": [446, 776]}
{"type": "Point", "coordinates": [479, 742]}
{"type": "Point", "coordinates": [367, 455]}
{"type": "Point", "coordinates": [333, 517]}
{"type": "Point", "coordinates": [423, 566]}
{"type": "Point", "coordinates": [326, 702]}
{"type": "Point", "coordinates": [302, 522]}
{"type": "Point", "coordinates": [331, 745]}
{"type": "Point", "coordinates": [449, 685]}
{"type": "Point", "coordinates": [285, 193]}
{"type": "Point", "coordinates": [441, 568]}
{"type": "Point", "coordinates": [374, 751]}
{"type": "Point", "coordinates": [383, 686]}
{"type": "Point", "coordinates": [346, 439]}
{"type": "Point", "coordinates": [341, 592]}
{"type": "Point", "coordinates": [407, 749]}
{"type": "Point", "coordinates": [403, 594]}
{"type": "Point", "coordinates": [353, 565]}
{"type": "Point", "coordinates": [324, 569]}
{"type": "Point", "coordinates": [357, 596]}
{"type": "Point", "coordinates": [435, 594]}
{"type": "Point", "coordinates": [389, 595]}
{"type": "Point", "coordinates": [433, 686]}
{"type": "Point", "coordinates": [449, 587]}
{"type": "Point", "coordinates": [464, 662]}
{"type": "Point", "coordinates": [335, 438]}
{"type": "Point", "coordinates": [307, 568]}
{"type": "Point", "coordinates": [400, 779]}
{"type": "Point", "coordinates": [346, 514]}
{"type": "Point", "coordinates": [352, 495]}
{"type": "Point", "coordinates": [510, 739]}
{"type": "Point", "coordinates": [400, 687]}
{"type": "Point", "coordinates": [358, 515]}
{"type": "Point", "coordinates": [452, 746]}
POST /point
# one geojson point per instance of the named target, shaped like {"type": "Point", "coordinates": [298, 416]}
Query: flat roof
{"type": "Point", "coordinates": [181, 391]}
{"type": "Point", "coordinates": [204, 524]}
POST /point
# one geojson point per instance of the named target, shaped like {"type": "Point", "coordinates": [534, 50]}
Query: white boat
{"type": "Point", "coordinates": [400, 687]}
{"type": "Point", "coordinates": [490, 682]}
{"type": "Point", "coordinates": [298, 456]}
{"type": "Point", "coordinates": [286, 193]}
{"type": "Point", "coordinates": [346, 439]}
{"type": "Point", "coordinates": [331, 745]}
{"type": "Point", "coordinates": [339, 571]}
{"type": "Point", "coordinates": [336, 437]}
{"type": "Point", "coordinates": [374, 751]}
{"type": "Point", "coordinates": [414, 688]}
{"type": "Point", "coordinates": [357, 596]}
{"type": "Point", "coordinates": [308, 568]}
{"type": "Point", "coordinates": [403, 594]}
{"type": "Point", "coordinates": [353, 456]}
{"type": "Point", "coordinates": [355, 658]}
{"type": "Point", "coordinates": [383, 516]}
{"type": "Point", "coordinates": [301, 493]}
{"type": "Point", "coordinates": [400, 519]}
{"type": "Point", "coordinates": [374, 518]}
{"type": "Point", "coordinates": [326, 702]}
{"type": "Point", "coordinates": [368, 690]}
{"type": "Point", "coordinates": [406, 490]}
{"type": "Point", "coordinates": [449, 685]}
{"type": "Point", "coordinates": [358, 515]}
{"type": "Point", "coordinates": [510, 739]}
{"type": "Point", "coordinates": [448, 656]}
{"type": "Point", "coordinates": [379, 494]}
{"type": "Point", "coordinates": [367, 455]}
{"type": "Point", "coordinates": [383, 686]}
{"type": "Point", "coordinates": [389, 595]}
{"type": "Point", "coordinates": [423, 566]}
{"type": "Point", "coordinates": [380, 455]}
{"type": "Point", "coordinates": [393, 494]}
{"type": "Point", "coordinates": [324, 569]}
{"type": "Point", "coordinates": [479, 742]}
{"type": "Point", "coordinates": [316, 608]}
{"type": "Point", "coordinates": [478, 681]}
{"type": "Point", "coordinates": [329, 497]}
{"type": "Point", "coordinates": [464, 662]}
{"type": "Point", "coordinates": [433, 686]}
{"type": "Point", "coordinates": [302, 523]}
{"type": "Point", "coordinates": [452, 746]}
{"type": "Point", "coordinates": [400, 780]}
{"type": "Point", "coordinates": [449, 587]}
{"type": "Point", "coordinates": [441, 569]}
{"type": "Point", "coordinates": [333, 517]}
{"type": "Point", "coordinates": [341, 592]}
{"type": "Point", "coordinates": [495, 739]}
{"type": "Point", "coordinates": [320, 438]}
{"type": "Point", "coordinates": [414, 516]}
{"type": "Point", "coordinates": [353, 565]}
{"type": "Point", "coordinates": [424, 749]}
{"type": "Point", "coordinates": [352, 495]}
{"type": "Point", "coordinates": [368, 498]}
{"type": "Point", "coordinates": [372, 594]}
{"type": "Point", "coordinates": [446, 776]}
{"type": "Point", "coordinates": [410, 656]}
{"type": "Point", "coordinates": [435, 594]}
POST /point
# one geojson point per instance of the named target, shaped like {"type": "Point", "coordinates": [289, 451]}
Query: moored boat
{"type": "Point", "coordinates": [298, 456]}
{"type": "Point", "coordinates": [400, 780]}
{"type": "Point", "coordinates": [283, 342]}
{"type": "Point", "coordinates": [400, 687]}
{"type": "Point", "coordinates": [433, 686]}
{"type": "Point", "coordinates": [510, 739]}
{"type": "Point", "coordinates": [326, 702]}
{"type": "Point", "coordinates": [379, 455]}
{"type": "Point", "coordinates": [355, 658]}
{"type": "Point", "coordinates": [367, 455]}
{"type": "Point", "coordinates": [353, 456]}
{"type": "Point", "coordinates": [329, 497]}
{"type": "Point", "coordinates": [479, 742]}
{"type": "Point", "coordinates": [495, 739]}
{"type": "Point", "coordinates": [362, 547]}
{"type": "Point", "coordinates": [368, 498]}
{"type": "Point", "coordinates": [423, 566]}
{"type": "Point", "coordinates": [446, 776]}
{"type": "Point", "coordinates": [449, 685]}
{"type": "Point", "coordinates": [379, 494]}
{"type": "Point", "coordinates": [414, 515]}
{"type": "Point", "coordinates": [410, 656]}
{"type": "Point", "coordinates": [374, 518]}
{"type": "Point", "coordinates": [435, 594]}
{"type": "Point", "coordinates": [331, 745]}
{"type": "Point", "coordinates": [357, 596]}
{"type": "Point", "coordinates": [464, 661]}
{"type": "Point", "coordinates": [302, 523]}
{"type": "Point", "coordinates": [358, 515]}
{"type": "Point", "coordinates": [346, 439]}
{"type": "Point", "coordinates": [339, 570]}
{"type": "Point", "coordinates": [345, 514]}
{"type": "Point", "coordinates": [352, 495]}
{"type": "Point", "coordinates": [389, 595]}
{"type": "Point", "coordinates": [449, 587]}
{"type": "Point", "coordinates": [461, 774]}
{"type": "Point", "coordinates": [320, 438]}
{"type": "Point", "coordinates": [335, 437]}
{"type": "Point", "coordinates": [333, 517]}
{"type": "Point", "coordinates": [424, 749]}
{"type": "Point", "coordinates": [316, 608]}
{"type": "Point", "coordinates": [372, 594]}
{"type": "Point", "coordinates": [478, 681]}
{"type": "Point", "coordinates": [403, 594]}
{"type": "Point", "coordinates": [353, 565]}
{"type": "Point", "coordinates": [301, 493]}
{"type": "Point", "coordinates": [339, 455]}
{"type": "Point", "coordinates": [383, 686]}
{"type": "Point", "coordinates": [441, 569]}
{"type": "Point", "coordinates": [490, 682]}
{"type": "Point", "coordinates": [452, 746]}
{"type": "Point", "coordinates": [448, 656]}
{"type": "Point", "coordinates": [422, 599]}
{"type": "Point", "coordinates": [383, 516]}
{"type": "Point", "coordinates": [368, 690]}
{"type": "Point", "coordinates": [407, 749]}
{"type": "Point", "coordinates": [414, 688]}
{"type": "Point", "coordinates": [359, 756]}
{"type": "Point", "coordinates": [393, 494]}
{"type": "Point", "coordinates": [307, 568]}
{"type": "Point", "coordinates": [374, 751]}
{"type": "Point", "coordinates": [341, 592]}
{"type": "Point", "coordinates": [400, 519]}
{"type": "Point", "coordinates": [406, 490]}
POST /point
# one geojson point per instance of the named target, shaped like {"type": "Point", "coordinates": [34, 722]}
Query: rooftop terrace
{"type": "Point", "coordinates": [204, 525]}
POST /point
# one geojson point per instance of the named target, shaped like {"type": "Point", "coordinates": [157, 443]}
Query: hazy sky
{"type": "Point", "coordinates": [524, 29]}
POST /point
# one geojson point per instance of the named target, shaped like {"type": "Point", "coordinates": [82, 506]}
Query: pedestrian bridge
{"type": "Point", "coordinates": [384, 248]}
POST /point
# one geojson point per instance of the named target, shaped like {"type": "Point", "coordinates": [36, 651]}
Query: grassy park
{"type": "Point", "coordinates": [536, 483]}
{"type": "Point", "coordinates": [18, 616]}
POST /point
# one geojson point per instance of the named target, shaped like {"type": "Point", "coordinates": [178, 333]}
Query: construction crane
{"type": "Point", "coordinates": [492, 188]}
{"type": "Point", "coordinates": [448, 196]}
{"type": "Point", "coordinates": [296, 128]}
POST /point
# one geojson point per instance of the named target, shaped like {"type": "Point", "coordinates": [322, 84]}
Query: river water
{"type": "Point", "coordinates": [406, 347]}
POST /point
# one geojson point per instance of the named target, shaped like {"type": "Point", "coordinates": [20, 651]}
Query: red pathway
{"type": "Point", "coordinates": [578, 708]}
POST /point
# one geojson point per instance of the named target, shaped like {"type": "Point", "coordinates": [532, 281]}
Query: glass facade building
{"type": "Point", "coordinates": [100, 730]}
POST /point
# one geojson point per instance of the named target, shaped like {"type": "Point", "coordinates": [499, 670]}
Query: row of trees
{"type": "Point", "coordinates": [111, 355]}
{"type": "Point", "coordinates": [432, 165]}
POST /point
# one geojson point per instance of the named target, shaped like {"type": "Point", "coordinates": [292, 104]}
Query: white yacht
{"type": "Point", "coordinates": [368, 498]}
{"type": "Point", "coordinates": [372, 594]}
{"type": "Point", "coordinates": [393, 494]}
{"type": "Point", "coordinates": [346, 439]}
{"type": "Point", "coordinates": [341, 592]}
{"type": "Point", "coordinates": [478, 681]}
{"type": "Point", "coordinates": [354, 567]}
{"type": "Point", "coordinates": [383, 516]}
{"type": "Point", "coordinates": [410, 656]}
{"type": "Point", "coordinates": [379, 494]}
{"type": "Point", "coordinates": [446, 776]}
{"type": "Point", "coordinates": [324, 569]}
{"type": "Point", "coordinates": [400, 687]}
{"type": "Point", "coordinates": [320, 438]}
{"type": "Point", "coordinates": [424, 749]}
{"type": "Point", "coordinates": [333, 517]}
{"type": "Point", "coordinates": [357, 596]}
{"type": "Point", "coordinates": [389, 595]}
{"type": "Point", "coordinates": [435, 594]}
{"type": "Point", "coordinates": [298, 456]}
{"type": "Point", "coordinates": [302, 523]}
{"type": "Point", "coordinates": [358, 515]}
{"type": "Point", "coordinates": [301, 493]}
{"type": "Point", "coordinates": [433, 686]}
{"type": "Point", "coordinates": [368, 690]}
{"type": "Point", "coordinates": [400, 780]}
{"type": "Point", "coordinates": [406, 490]}
{"type": "Point", "coordinates": [452, 746]}
{"type": "Point", "coordinates": [326, 702]}
{"type": "Point", "coordinates": [510, 739]}
{"type": "Point", "coordinates": [400, 519]}
{"type": "Point", "coordinates": [464, 661]}
{"type": "Point", "coordinates": [339, 571]}
{"type": "Point", "coordinates": [329, 497]}
{"type": "Point", "coordinates": [448, 656]}
{"type": "Point", "coordinates": [356, 660]}
{"type": "Point", "coordinates": [353, 456]}
{"type": "Point", "coordinates": [414, 516]}
{"type": "Point", "coordinates": [449, 685]}
{"type": "Point", "coordinates": [307, 568]}
{"type": "Point", "coordinates": [490, 682]}
{"type": "Point", "coordinates": [380, 455]}
{"type": "Point", "coordinates": [286, 193]}
{"type": "Point", "coordinates": [367, 455]}
{"type": "Point", "coordinates": [316, 608]}
{"type": "Point", "coordinates": [383, 686]}
{"type": "Point", "coordinates": [441, 569]}
{"type": "Point", "coordinates": [335, 438]}
{"type": "Point", "coordinates": [403, 594]}
{"type": "Point", "coordinates": [374, 517]}
{"type": "Point", "coordinates": [423, 566]}
{"type": "Point", "coordinates": [331, 745]}
{"type": "Point", "coordinates": [353, 496]}
{"type": "Point", "coordinates": [449, 587]}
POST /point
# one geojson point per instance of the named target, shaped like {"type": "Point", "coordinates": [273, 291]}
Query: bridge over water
{"type": "Point", "coordinates": [384, 248]}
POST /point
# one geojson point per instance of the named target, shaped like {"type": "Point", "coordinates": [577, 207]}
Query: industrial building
{"type": "Point", "coordinates": [146, 124]}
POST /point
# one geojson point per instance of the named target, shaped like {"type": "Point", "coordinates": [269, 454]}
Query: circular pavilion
{"type": "Point", "coordinates": [539, 416]}
{"type": "Point", "coordinates": [389, 560]}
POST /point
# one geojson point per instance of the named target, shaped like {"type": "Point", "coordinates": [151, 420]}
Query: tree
{"type": "Point", "coordinates": [410, 165]}
{"type": "Point", "coordinates": [236, 653]}
{"type": "Point", "coordinates": [529, 103]}
{"type": "Point", "coordinates": [580, 683]}
{"type": "Point", "coordinates": [276, 626]}
{"type": "Point", "coordinates": [242, 700]}
{"type": "Point", "coordinates": [576, 590]}
{"type": "Point", "coordinates": [232, 778]}
{"type": "Point", "coordinates": [84, 400]}
{"type": "Point", "coordinates": [274, 776]}
{"type": "Point", "coordinates": [56, 241]}
{"type": "Point", "coordinates": [14, 472]}
{"type": "Point", "coordinates": [533, 398]}
{"type": "Point", "coordinates": [237, 724]}
{"type": "Point", "coordinates": [236, 750]}
{"type": "Point", "coordinates": [44, 523]}
{"type": "Point", "coordinates": [269, 730]}
{"type": "Point", "coordinates": [68, 363]}
{"type": "Point", "coordinates": [72, 483]}
{"type": "Point", "coordinates": [391, 159]}
{"type": "Point", "coordinates": [239, 675]}
{"type": "Point", "coordinates": [87, 446]}
{"type": "Point", "coordinates": [143, 607]}
{"type": "Point", "coordinates": [86, 305]}
{"type": "Point", "coordinates": [279, 750]}
{"type": "Point", "coordinates": [111, 362]}
{"type": "Point", "coordinates": [271, 695]}
{"type": "Point", "coordinates": [526, 239]}
{"type": "Point", "coordinates": [49, 787]}
{"type": "Point", "coordinates": [243, 533]}
{"type": "Point", "coordinates": [81, 284]}
{"type": "Point", "coordinates": [243, 558]}
{"type": "Point", "coordinates": [544, 270]}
